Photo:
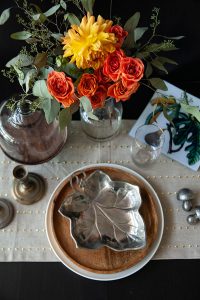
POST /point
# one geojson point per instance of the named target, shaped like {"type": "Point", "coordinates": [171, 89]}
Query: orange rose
{"type": "Point", "coordinates": [61, 88]}
{"type": "Point", "coordinates": [87, 85]}
{"type": "Point", "coordinates": [132, 70]}
{"type": "Point", "coordinates": [112, 64]}
{"type": "Point", "coordinates": [98, 99]}
{"type": "Point", "coordinates": [120, 34]}
{"type": "Point", "coordinates": [121, 92]}
{"type": "Point", "coordinates": [101, 77]}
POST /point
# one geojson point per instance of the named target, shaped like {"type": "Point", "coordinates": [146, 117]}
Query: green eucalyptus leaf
{"type": "Point", "coordinates": [21, 35]}
{"type": "Point", "coordinates": [92, 116]}
{"type": "Point", "coordinates": [44, 72]}
{"type": "Point", "coordinates": [72, 19]}
{"type": "Point", "coordinates": [59, 60]}
{"type": "Point", "coordinates": [28, 78]}
{"type": "Point", "coordinates": [130, 26]}
{"type": "Point", "coordinates": [148, 70]}
{"type": "Point", "coordinates": [21, 60]}
{"type": "Point", "coordinates": [57, 36]}
{"type": "Point", "coordinates": [20, 74]}
{"type": "Point", "coordinates": [132, 22]}
{"type": "Point", "coordinates": [158, 84]}
{"type": "Point", "coordinates": [174, 37]}
{"type": "Point", "coordinates": [46, 106]}
{"type": "Point", "coordinates": [40, 60]}
{"type": "Point", "coordinates": [52, 10]}
{"type": "Point", "coordinates": [138, 32]}
{"type": "Point", "coordinates": [193, 110]}
{"type": "Point", "coordinates": [169, 48]}
{"type": "Point", "coordinates": [64, 117]}
{"type": "Point", "coordinates": [39, 17]}
{"type": "Point", "coordinates": [55, 109]}
{"type": "Point", "coordinates": [155, 48]}
{"type": "Point", "coordinates": [166, 60]}
{"type": "Point", "coordinates": [157, 64]}
{"type": "Point", "coordinates": [32, 41]}
{"type": "Point", "coordinates": [36, 17]}
{"type": "Point", "coordinates": [40, 90]}
{"type": "Point", "coordinates": [51, 109]}
{"type": "Point", "coordinates": [88, 5]}
{"type": "Point", "coordinates": [63, 4]}
{"type": "Point", "coordinates": [5, 16]}
{"type": "Point", "coordinates": [72, 70]}
{"type": "Point", "coordinates": [143, 54]}
{"type": "Point", "coordinates": [85, 102]}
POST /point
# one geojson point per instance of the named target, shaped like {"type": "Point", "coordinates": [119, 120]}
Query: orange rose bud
{"type": "Point", "coordinates": [121, 92]}
{"type": "Point", "coordinates": [61, 88]}
{"type": "Point", "coordinates": [120, 34]}
{"type": "Point", "coordinates": [98, 99]}
{"type": "Point", "coordinates": [112, 64]}
{"type": "Point", "coordinates": [132, 70]}
{"type": "Point", "coordinates": [87, 85]}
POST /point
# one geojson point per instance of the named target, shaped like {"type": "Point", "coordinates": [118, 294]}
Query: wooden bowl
{"type": "Point", "coordinates": [104, 263]}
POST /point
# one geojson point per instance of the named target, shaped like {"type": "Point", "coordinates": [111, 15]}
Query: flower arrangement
{"type": "Point", "coordinates": [73, 60]}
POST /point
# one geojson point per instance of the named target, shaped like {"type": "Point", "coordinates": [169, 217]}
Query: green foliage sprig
{"type": "Point", "coordinates": [43, 30]}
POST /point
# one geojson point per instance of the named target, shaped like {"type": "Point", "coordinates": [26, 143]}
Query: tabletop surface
{"type": "Point", "coordinates": [53, 279]}
{"type": "Point", "coordinates": [159, 279]}
{"type": "Point", "coordinates": [25, 239]}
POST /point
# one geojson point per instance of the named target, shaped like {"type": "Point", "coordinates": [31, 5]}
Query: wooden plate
{"type": "Point", "coordinates": [105, 263]}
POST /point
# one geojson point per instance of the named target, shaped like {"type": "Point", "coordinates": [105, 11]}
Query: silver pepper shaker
{"type": "Point", "coordinates": [186, 196]}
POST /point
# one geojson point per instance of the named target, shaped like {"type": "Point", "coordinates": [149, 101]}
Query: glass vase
{"type": "Point", "coordinates": [108, 123]}
{"type": "Point", "coordinates": [26, 137]}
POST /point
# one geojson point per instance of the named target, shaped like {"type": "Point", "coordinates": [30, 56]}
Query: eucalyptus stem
{"type": "Point", "coordinates": [148, 86]}
{"type": "Point", "coordinates": [154, 26]}
{"type": "Point", "coordinates": [152, 89]}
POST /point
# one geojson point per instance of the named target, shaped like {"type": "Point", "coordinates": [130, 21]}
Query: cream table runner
{"type": "Point", "coordinates": [25, 238]}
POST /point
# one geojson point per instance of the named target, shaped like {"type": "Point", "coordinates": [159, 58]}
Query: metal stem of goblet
{"type": "Point", "coordinates": [27, 187]}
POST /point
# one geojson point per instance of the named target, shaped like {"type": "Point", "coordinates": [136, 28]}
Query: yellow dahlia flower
{"type": "Point", "coordinates": [89, 44]}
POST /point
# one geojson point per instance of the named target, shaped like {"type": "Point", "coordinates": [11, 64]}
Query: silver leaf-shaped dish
{"type": "Point", "coordinates": [105, 213]}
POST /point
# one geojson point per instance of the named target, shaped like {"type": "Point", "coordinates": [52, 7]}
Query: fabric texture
{"type": "Point", "coordinates": [25, 238]}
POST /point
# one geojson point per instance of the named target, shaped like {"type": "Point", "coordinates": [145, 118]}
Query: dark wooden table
{"type": "Point", "coordinates": [170, 279]}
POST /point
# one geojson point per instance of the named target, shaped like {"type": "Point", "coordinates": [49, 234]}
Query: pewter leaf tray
{"type": "Point", "coordinates": [104, 213]}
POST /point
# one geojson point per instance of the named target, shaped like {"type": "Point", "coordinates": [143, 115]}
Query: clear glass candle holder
{"type": "Point", "coordinates": [147, 144]}
{"type": "Point", "coordinates": [108, 121]}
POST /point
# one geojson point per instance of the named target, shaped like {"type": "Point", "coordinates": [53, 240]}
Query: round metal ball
{"type": "Point", "coordinates": [187, 205]}
{"type": "Point", "coordinates": [185, 194]}
{"type": "Point", "coordinates": [197, 211]}
{"type": "Point", "coordinates": [192, 219]}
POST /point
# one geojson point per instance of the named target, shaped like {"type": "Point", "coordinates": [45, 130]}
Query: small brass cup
{"type": "Point", "coordinates": [28, 187]}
